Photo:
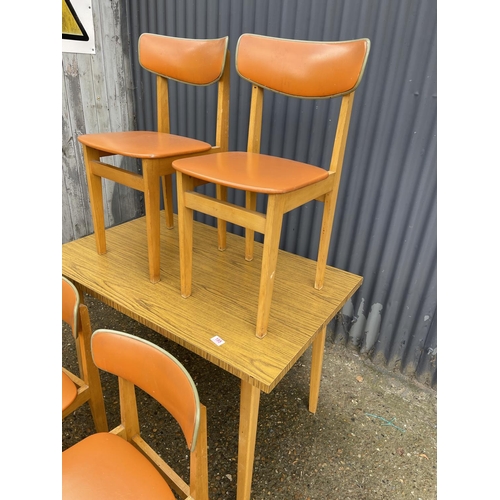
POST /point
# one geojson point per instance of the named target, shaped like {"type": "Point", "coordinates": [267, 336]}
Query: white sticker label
{"type": "Point", "coordinates": [217, 340]}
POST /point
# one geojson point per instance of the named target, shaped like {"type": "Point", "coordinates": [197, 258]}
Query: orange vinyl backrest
{"type": "Point", "coordinates": [302, 68]}
{"type": "Point", "coordinates": [198, 62]}
{"type": "Point", "coordinates": [155, 371]}
{"type": "Point", "coordinates": [70, 304]}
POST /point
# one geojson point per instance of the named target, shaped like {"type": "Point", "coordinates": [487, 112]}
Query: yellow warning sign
{"type": "Point", "coordinates": [77, 26]}
{"type": "Point", "coordinates": [72, 27]}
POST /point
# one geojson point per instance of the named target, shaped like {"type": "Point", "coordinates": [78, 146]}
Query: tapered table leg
{"type": "Point", "coordinates": [318, 347]}
{"type": "Point", "coordinates": [249, 413]}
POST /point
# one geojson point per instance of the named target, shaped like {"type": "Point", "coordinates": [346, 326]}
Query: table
{"type": "Point", "coordinates": [223, 303]}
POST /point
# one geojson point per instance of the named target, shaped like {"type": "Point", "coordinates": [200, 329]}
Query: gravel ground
{"type": "Point", "coordinates": [373, 437]}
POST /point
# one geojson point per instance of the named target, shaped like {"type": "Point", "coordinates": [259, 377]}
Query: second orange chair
{"type": "Point", "coordinates": [194, 62]}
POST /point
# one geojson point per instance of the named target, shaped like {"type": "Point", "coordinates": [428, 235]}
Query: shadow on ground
{"type": "Point", "coordinates": [373, 437]}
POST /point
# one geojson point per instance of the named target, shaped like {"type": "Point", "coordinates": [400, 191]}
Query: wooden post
{"type": "Point", "coordinates": [316, 368]}
{"type": "Point", "coordinates": [249, 413]}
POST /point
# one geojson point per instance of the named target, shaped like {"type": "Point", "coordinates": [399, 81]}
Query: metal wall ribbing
{"type": "Point", "coordinates": [385, 222]}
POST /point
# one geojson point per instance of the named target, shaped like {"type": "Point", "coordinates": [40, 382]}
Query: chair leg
{"type": "Point", "coordinates": [324, 241]}
{"type": "Point", "coordinates": [96, 200]}
{"type": "Point", "coordinates": [221, 224]}
{"type": "Point", "coordinates": [185, 222]}
{"type": "Point", "coordinates": [274, 220]}
{"type": "Point", "coordinates": [251, 204]}
{"type": "Point", "coordinates": [199, 461]}
{"type": "Point", "coordinates": [168, 200]}
{"type": "Point", "coordinates": [152, 206]}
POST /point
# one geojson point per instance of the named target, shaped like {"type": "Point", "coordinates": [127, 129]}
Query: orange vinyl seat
{"type": "Point", "coordinates": [193, 62]}
{"type": "Point", "coordinates": [294, 68]}
{"type": "Point", "coordinates": [78, 389]}
{"type": "Point", "coordinates": [120, 464]}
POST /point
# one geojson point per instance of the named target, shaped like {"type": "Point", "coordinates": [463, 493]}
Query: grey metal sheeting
{"type": "Point", "coordinates": [385, 222]}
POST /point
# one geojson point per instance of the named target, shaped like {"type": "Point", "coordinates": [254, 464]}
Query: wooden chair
{"type": "Point", "coordinates": [77, 390]}
{"type": "Point", "coordinates": [194, 62]}
{"type": "Point", "coordinates": [303, 69]}
{"type": "Point", "coordinates": [120, 464]}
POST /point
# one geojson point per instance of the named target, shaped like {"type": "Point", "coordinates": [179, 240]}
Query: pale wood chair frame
{"type": "Point", "coordinates": [153, 170]}
{"type": "Point", "coordinates": [278, 204]}
{"type": "Point", "coordinates": [88, 383]}
{"type": "Point", "coordinates": [129, 427]}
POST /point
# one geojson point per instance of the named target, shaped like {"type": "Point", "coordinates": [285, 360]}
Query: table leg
{"type": "Point", "coordinates": [249, 413]}
{"type": "Point", "coordinates": [318, 347]}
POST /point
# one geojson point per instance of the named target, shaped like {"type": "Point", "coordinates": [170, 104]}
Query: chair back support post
{"type": "Point", "coordinates": [222, 128]}
{"type": "Point", "coordinates": [128, 409]}
{"type": "Point", "coordinates": [330, 198]}
{"type": "Point", "coordinates": [340, 142]}
{"type": "Point", "coordinates": [83, 341]}
{"type": "Point", "coordinates": [162, 105]}
{"type": "Point", "coordinates": [253, 146]}
{"type": "Point", "coordinates": [255, 120]}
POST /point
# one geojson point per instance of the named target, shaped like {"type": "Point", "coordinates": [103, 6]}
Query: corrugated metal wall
{"type": "Point", "coordinates": [385, 223]}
